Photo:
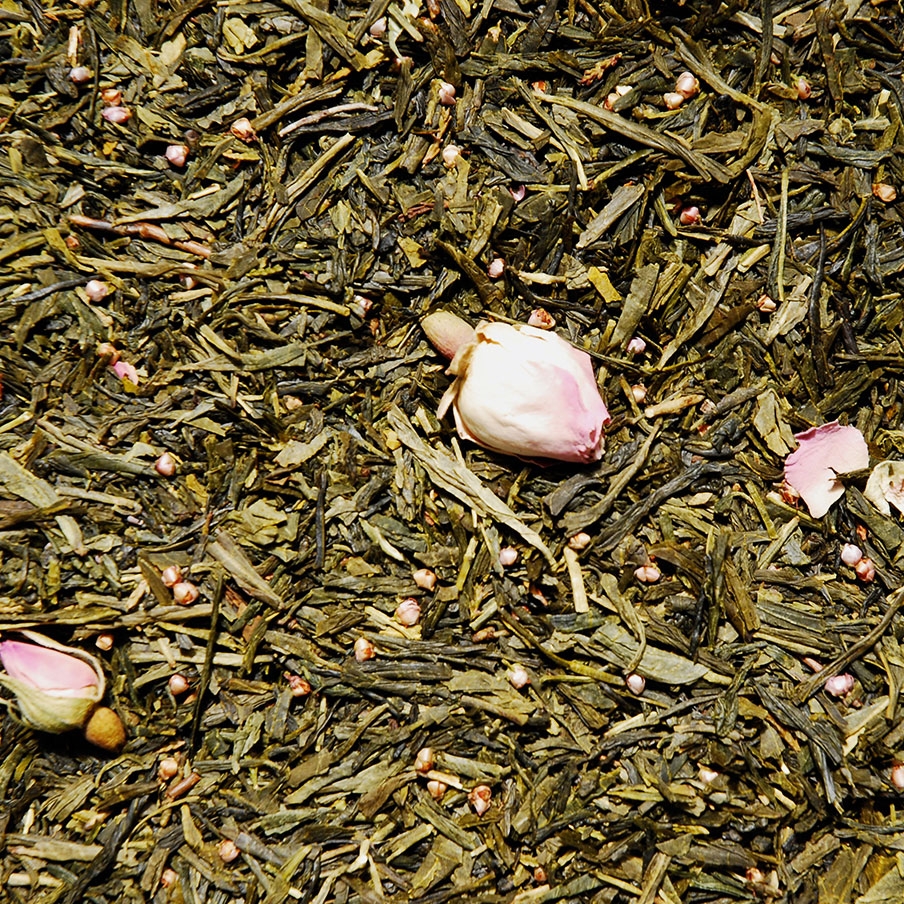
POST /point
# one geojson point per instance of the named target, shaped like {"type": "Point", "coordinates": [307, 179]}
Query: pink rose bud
{"type": "Point", "coordinates": [687, 85]}
{"type": "Point", "coordinates": [116, 114]}
{"type": "Point", "coordinates": [508, 555]}
{"type": "Point", "coordinates": [518, 676]}
{"type": "Point", "coordinates": [884, 192]}
{"type": "Point", "coordinates": [298, 686]}
{"type": "Point", "coordinates": [446, 94]}
{"type": "Point", "coordinates": [496, 268]}
{"type": "Point", "coordinates": [479, 798]}
{"type": "Point", "coordinates": [636, 346]}
{"type": "Point", "coordinates": [526, 392]}
{"type": "Point", "coordinates": [851, 554]}
{"type": "Point", "coordinates": [108, 350]}
{"type": "Point", "coordinates": [112, 97]}
{"type": "Point", "coordinates": [803, 88]}
{"type": "Point", "coordinates": [424, 578]}
{"type": "Point", "coordinates": [165, 466]}
{"type": "Point", "coordinates": [839, 685]}
{"type": "Point", "coordinates": [177, 154]}
{"type": "Point", "coordinates": [56, 687]}
{"type": "Point", "coordinates": [436, 789]}
{"type": "Point", "coordinates": [707, 775]}
{"type": "Point", "coordinates": [227, 851]}
{"type": "Point", "coordinates": [647, 574]}
{"type": "Point", "coordinates": [451, 155]}
{"type": "Point", "coordinates": [635, 683]}
{"type": "Point", "coordinates": [673, 100]}
{"type": "Point", "coordinates": [178, 684]}
{"type": "Point", "coordinates": [243, 130]}
{"type": "Point", "coordinates": [171, 575]}
{"type": "Point", "coordinates": [169, 877]}
{"type": "Point", "coordinates": [579, 541]}
{"type": "Point", "coordinates": [865, 570]}
{"type": "Point", "coordinates": [364, 650]}
{"type": "Point", "coordinates": [184, 593]}
{"type": "Point", "coordinates": [541, 319]}
{"type": "Point", "coordinates": [78, 75]}
{"type": "Point", "coordinates": [408, 613]}
{"type": "Point", "coordinates": [689, 216]}
{"type": "Point", "coordinates": [96, 289]}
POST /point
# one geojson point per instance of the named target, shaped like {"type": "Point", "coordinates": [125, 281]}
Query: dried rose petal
{"type": "Point", "coordinates": [824, 453]}
{"type": "Point", "coordinates": [886, 485]}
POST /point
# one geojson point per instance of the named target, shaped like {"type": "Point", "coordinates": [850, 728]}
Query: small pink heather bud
{"type": "Point", "coordinates": [647, 574]}
{"type": "Point", "coordinates": [78, 75]}
{"type": "Point", "coordinates": [228, 851]}
{"type": "Point", "coordinates": [168, 768]}
{"type": "Point", "coordinates": [673, 100]}
{"type": "Point", "coordinates": [508, 555]}
{"type": "Point", "coordinates": [541, 319]}
{"type": "Point", "coordinates": [424, 578]}
{"type": "Point", "coordinates": [579, 541]}
{"type": "Point", "coordinates": [408, 613]}
{"type": "Point", "coordinates": [108, 350]}
{"type": "Point", "coordinates": [423, 761]}
{"type": "Point", "coordinates": [518, 193]}
{"type": "Point", "coordinates": [839, 685]}
{"type": "Point", "coordinates": [636, 346]}
{"type": "Point", "coordinates": [171, 575]}
{"type": "Point", "coordinates": [689, 216]}
{"type": "Point", "coordinates": [165, 466]}
{"type": "Point", "coordinates": [378, 29]}
{"type": "Point", "coordinates": [177, 154]}
{"type": "Point", "coordinates": [865, 570]}
{"type": "Point", "coordinates": [299, 687]}
{"type": "Point", "coordinates": [178, 684]}
{"type": "Point", "coordinates": [364, 649]}
{"type": "Point", "coordinates": [754, 876]}
{"type": "Point", "coordinates": [243, 130]}
{"type": "Point", "coordinates": [451, 155]}
{"type": "Point", "coordinates": [479, 798]}
{"type": "Point", "coordinates": [803, 88]}
{"type": "Point", "coordinates": [884, 192]}
{"type": "Point", "coordinates": [96, 289]}
{"type": "Point", "coordinates": [687, 85]}
{"type": "Point", "coordinates": [518, 676]}
{"type": "Point", "coordinates": [496, 268]}
{"type": "Point", "coordinates": [639, 392]}
{"type": "Point", "coordinates": [436, 789]}
{"type": "Point", "coordinates": [117, 115]}
{"type": "Point", "coordinates": [104, 641]}
{"type": "Point", "coordinates": [897, 775]}
{"type": "Point", "coordinates": [765, 304]}
{"type": "Point", "coordinates": [446, 94]}
{"type": "Point", "coordinates": [185, 593]}
{"type": "Point", "coordinates": [635, 683]}
{"type": "Point", "coordinates": [168, 878]}
{"type": "Point", "coordinates": [851, 554]}
{"type": "Point", "coordinates": [112, 97]}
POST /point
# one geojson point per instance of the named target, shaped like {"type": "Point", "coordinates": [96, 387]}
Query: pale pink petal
{"type": "Point", "coordinates": [46, 669]}
{"type": "Point", "coordinates": [125, 371]}
{"type": "Point", "coordinates": [824, 453]}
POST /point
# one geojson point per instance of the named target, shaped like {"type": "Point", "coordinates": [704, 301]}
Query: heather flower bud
{"type": "Point", "coordinates": [840, 685]}
{"type": "Point", "coordinates": [687, 85]}
{"type": "Point", "coordinates": [673, 100]}
{"type": "Point", "coordinates": [446, 94]}
{"type": "Point", "coordinates": [496, 268]}
{"type": "Point", "coordinates": [116, 114]}
{"type": "Point", "coordinates": [408, 613]}
{"type": "Point", "coordinates": [851, 554]}
{"type": "Point", "coordinates": [177, 154]}
{"type": "Point", "coordinates": [479, 798]}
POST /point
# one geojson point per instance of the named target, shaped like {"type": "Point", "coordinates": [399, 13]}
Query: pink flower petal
{"type": "Point", "coordinates": [125, 371]}
{"type": "Point", "coordinates": [46, 669]}
{"type": "Point", "coordinates": [824, 453]}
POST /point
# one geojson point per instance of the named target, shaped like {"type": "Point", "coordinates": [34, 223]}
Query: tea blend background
{"type": "Point", "coordinates": [268, 294]}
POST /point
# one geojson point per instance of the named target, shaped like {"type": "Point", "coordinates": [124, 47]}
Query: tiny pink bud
{"type": "Point", "coordinates": [424, 578]}
{"type": "Point", "coordinates": [479, 798]}
{"type": "Point", "coordinates": [378, 29]}
{"type": "Point", "coordinates": [177, 154]}
{"type": "Point", "coordinates": [496, 268]}
{"type": "Point", "coordinates": [865, 570]}
{"type": "Point", "coordinates": [171, 575]}
{"type": "Point", "coordinates": [635, 683]}
{"type": "Point", "coordinates": [185, 593]}
{"type": "Point", "coordinates": [451, 155]}
{"type": "Point", "coordinates": [518, 676]}
{"type": "Point", "coordinates": [541, 319]}
{"type": "Point", "coordinates": [112, 97]}
{"type": "Point", "coordinates": [168, 878]}
{"type": "Point", "coordinates": [508, 555]}
{"type": "Point", "coordinates": [436, 789]}
{"type": "Point", "coordinates": [78, 75]}
{"type": "Point", "coordinates": [446, 94]}
{"type": "Point", "coordinates": [673, 100]}
{"type": "Point", "coordinates": [689, 216]}
{"type": "Point", "coordinates": [884, 192]}
{"type": "Point", "coordinates": [639, 392]}
{"type": "Point", "coordinates": [116, 114]}
{"type": "Point", "coordinates": [243, 130]}
{"type": "Point", "coordinates": [168, 768]}
{"type": "Point", "coordinates": [897, 775]}
{"type": "Point", "coordinates": [104, 641]}
{"type": "Point", "coordinates": [636, 346]}
{"type": "Point", "coordinates": [687, 85]}
{"type": "Point", "coordinates": [580, 540]}
{"type": "Point", "coordinates": [108, 350]}
{"type": "Point", "coordinates": [839, 685]}
{"type": "Point", "coordinates": [851, 554]}
{"type": "Point", "coordinates": [423, 761]}
{"type": "Point", "coordinates": [518, 193]}
{"type": "Point", "coordinates": [178, 684]}
{"type": "Point", "coordinates": [96, 289]}
{"type": "Point", "coordinates": [765, 304]}
{"type": "Point", "coordinates": [647, 574]}
{"type": "Point", "coordinates": [165, 466]}
{"type": "Point", "coordinates": [364, 650]}
{"type": "Point", "coordinates": [803, 88]}
{"type": "Point", "coordinates": [754, 876]}
{"type": "Point", "coordinates": [227, 851]}
{"type": "Point", "coordinates": [299, 687]}
{"type": "Point", "coordinates": [408, 612]}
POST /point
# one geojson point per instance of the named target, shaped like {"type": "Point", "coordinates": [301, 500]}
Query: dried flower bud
{"type": "Point", "coordinates": [104, 641]}
{"type": "Point", "coordinates": [96, 289]}
{"type": "Point", "coordinates": [116, 114]}
{"type": "Point", "coordinates": [112, 97]}
{"type": "Point", "coordinates": [673, 100]}
{"type": "Point", "coordinates": [884, 192]}
{"type": "Point", "coordinates": [423, 762]}
{"type": "Point", "coordinates": [484, 635]}
{"type": "Point", "coordinates": [424, 578]}
{"type": "Point", "coordinates": [813, 664]}
{"type": "Point", "coordinates": [167, 769]}
{"type": "Point", "coordinates": [897, 775]}
{"type": "Point", "coordinates": [865, 570]}
{"type": "Point", "coordinates": [851, 554]}
{"type": "Point", "coordinates": [171, 575]}
{"type": "Point", "coordinates": [165, 466]}
{"type": "Point", "coordinates": [508, 555]}
{"type": "Point", "coordinates": [185, 593]}
{"type": "Point", "coordinates": [610, 101]}
{"type": "Point", "coordinates": [408, 612]}
{"type": "Point", "coordinates": [227, 851]}
{"type": "Point", "coordinates": [580, 540]}
{"type": "Point", "coordinates": [364, 649]}
{"type": "Point", "coordinates": [243, 130]}
{"type": "Point", "coordinates": [479, 798]}
{"type": "Point", "coordinates": [496, 268]}
{"type": "Point", "coordinates": [108, 350]}
{"type": "Point", "coordinates": [177, 154]}
{"type": "Point", "coordinates": [540, 875]}
{"type": "Point", "coordinates": [168, 878]}
{"type": "Point", "coordinates": [707, 775]}
{"type": "Point", "coordinates": [104, 729]}
{"type": "Point", "coordinates": [839, 685]}
{"type": "Point", "coordinates": [178, 684]}
{"type": "Point", "coordinates": [446, 94]}
{"type": "Point", "coordinates": [78, 75]}
{"type": "Point", "coordinates": [541, 319]}
{"type": "Point", "coordinates": [765, 304]}
{"type": "Point", "coordinates": [300, 687]}
{"type": "Point", "coordinates": [436, 789]}
{"type": "Point", "coordinates": [803, 88]}
{"type": "Point", "coordinates": [451, 155]}
{"type": "Point", "coordinates": [378, 29]}
{"type": "Point", "coordinates": [754, 876]}
{"type": "Point", "coordinates": [687, 85]}
{"type": "Point", "coordinates": [518, 676]}
{"type": "Point", "coordinates": [636, 346]}
{"type": "Point", "coordinates": [689, 216]}
{"type": "Point", "coordinates": [635, 683]}
{"type": "Point", "coordinates": [647, 574]}
{"type": "Point", "coordinates": [541, 86]}
{"type": "Point", "coordinates": [639, 393]}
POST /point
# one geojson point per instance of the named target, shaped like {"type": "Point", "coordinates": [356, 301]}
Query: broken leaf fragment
{"type": "Point", "coordinates": [886, 485]}
{"type": "Point", "coordinates": [823, 454]}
